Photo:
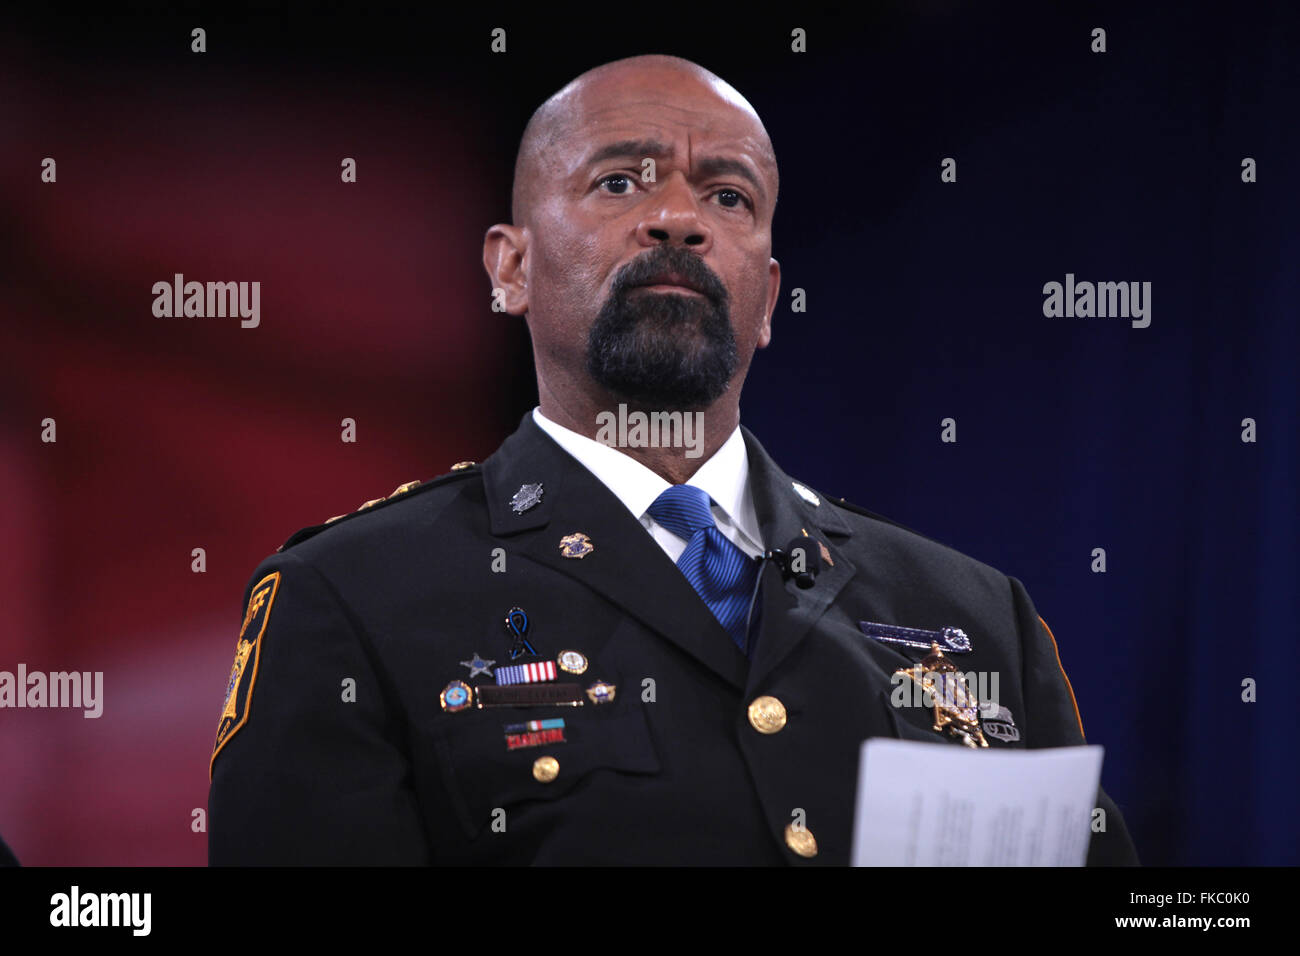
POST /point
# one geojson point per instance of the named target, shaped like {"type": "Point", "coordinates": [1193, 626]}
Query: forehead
{"type": "Point", "coordinates": [664, 106]}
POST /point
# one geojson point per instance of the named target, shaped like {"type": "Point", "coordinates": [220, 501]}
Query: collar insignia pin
{"type": "Point", "coordinates": [806, 493]}
{"type": "Point", "coordinates": [576, 545]}
{"type": "Point", "coordinates": [528, 496]}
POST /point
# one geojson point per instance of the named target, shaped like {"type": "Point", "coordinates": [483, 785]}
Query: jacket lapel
{"type": "Point", "coordinates": [625, 565]}
{"type": "Point", "coordinates": [789, 612]}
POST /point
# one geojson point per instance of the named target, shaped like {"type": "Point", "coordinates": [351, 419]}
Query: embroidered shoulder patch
{"type": "Point", "coordinates": [239, 689]}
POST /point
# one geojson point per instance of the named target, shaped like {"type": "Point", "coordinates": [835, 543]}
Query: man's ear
{"type": "Point", "coordinates": [773, 290]}
{"type": "Point", "coordinates": [504, 251]}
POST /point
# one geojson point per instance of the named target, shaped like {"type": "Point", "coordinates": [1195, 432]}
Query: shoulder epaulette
{"type": "Point", "coordinates": [858, 509]}
{"type": "Point", "coordinates": [462, 469]}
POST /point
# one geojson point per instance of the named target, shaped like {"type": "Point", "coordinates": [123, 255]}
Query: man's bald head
{"type": "Point", "coordinates": [572, 107]}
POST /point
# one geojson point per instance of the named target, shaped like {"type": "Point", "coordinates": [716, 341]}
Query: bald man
{"type": "Point", "coordinates": [627, 636]}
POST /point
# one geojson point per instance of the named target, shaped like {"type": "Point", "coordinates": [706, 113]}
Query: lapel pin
{"type": "Point", "coordinates": [572, 662]}
{"type": "Point", "coordinates": [528, 496]}
{"type": "Point", "coordinates": [601, 693]}
{"type": "Point", "coordinates": [478, 666]}
{"type": "Point", "coordinates": [517, 624]}
{"type": "Point", "coordinates": [576, 545]}
{"type": "Point", "coordinates": [456, 696]}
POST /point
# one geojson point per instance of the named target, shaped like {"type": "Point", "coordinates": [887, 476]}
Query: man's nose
{"type": "Point", "coordinates": [673, 216]}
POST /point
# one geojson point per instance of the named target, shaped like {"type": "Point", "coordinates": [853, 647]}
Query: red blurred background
{"type": "Point", "coordinates": [183, 433]}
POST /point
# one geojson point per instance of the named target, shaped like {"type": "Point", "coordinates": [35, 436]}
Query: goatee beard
{"type": "Point", "coordinates": [664, 350]}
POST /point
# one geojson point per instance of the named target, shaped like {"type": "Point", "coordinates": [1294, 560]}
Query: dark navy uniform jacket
{"type": "Point", "coordinates": [334, 746]}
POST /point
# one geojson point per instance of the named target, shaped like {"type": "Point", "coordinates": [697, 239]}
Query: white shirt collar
{"type": "Point", "coordinates": [725, 476]}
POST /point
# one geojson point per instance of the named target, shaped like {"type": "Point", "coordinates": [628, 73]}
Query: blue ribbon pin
{"type": "Point", "coordinates": [517, 624]}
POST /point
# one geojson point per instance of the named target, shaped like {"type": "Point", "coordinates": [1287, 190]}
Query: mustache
{"type": "Point", "coordinates": [673, 259]}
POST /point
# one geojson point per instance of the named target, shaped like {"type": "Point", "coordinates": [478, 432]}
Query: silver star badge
{"type": "Point", "coordinates": [528, 496]}
{"type": "Point", "coordinates": [478, 666]}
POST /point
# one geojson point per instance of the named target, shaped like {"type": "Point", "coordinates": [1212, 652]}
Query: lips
{"type": "Point", "coordinates": [672, 279]}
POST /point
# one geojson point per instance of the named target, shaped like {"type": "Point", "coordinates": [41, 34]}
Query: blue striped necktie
{"type": "Point", "coordinates": [720, 572]}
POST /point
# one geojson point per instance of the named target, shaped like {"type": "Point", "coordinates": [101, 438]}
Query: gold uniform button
{"type": "Point", "coordinates": [800, 840]}
{"type": "Point", "coordinates": [545, 769]}
{"type": "Point", "coordinates": [767, 715]}
{"type": "Point", "coordinates": [462, 465]}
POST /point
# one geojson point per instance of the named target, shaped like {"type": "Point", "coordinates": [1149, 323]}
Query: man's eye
{"type": "Point", "coordinates": [731, 198]}
{"type": "Point", "coordinates": [619, 183]}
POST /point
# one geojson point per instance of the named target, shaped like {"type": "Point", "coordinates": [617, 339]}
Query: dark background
{"type": "Point", "coordinates": [924, 302]}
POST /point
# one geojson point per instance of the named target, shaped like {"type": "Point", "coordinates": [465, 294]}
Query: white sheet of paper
{"type": "Point", "coordinates": [923, 804]}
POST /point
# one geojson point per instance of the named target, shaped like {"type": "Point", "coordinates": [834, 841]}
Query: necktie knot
{"type": "Point", "coordinates": [684, 510]}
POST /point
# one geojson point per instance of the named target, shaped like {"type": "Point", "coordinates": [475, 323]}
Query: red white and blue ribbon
{"type": "Point", "coordinates": [526, 673]}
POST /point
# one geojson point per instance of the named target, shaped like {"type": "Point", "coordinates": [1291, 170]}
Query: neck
{"type": "Point", "coordinates": [613, 421]}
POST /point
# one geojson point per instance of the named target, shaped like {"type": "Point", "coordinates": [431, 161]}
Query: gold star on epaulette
{"type": "Point", "coordinates": [399, 490]}
{"type": "Point", "coordinates": [461, 469]}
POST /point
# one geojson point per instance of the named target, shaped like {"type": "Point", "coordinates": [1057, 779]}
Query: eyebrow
{"type": "Point", "coordinates": [708, 166]}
